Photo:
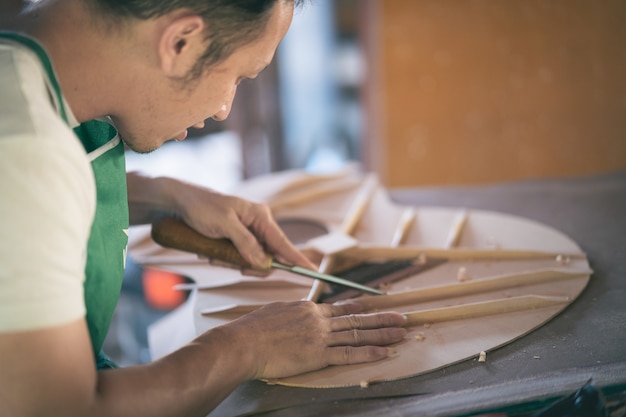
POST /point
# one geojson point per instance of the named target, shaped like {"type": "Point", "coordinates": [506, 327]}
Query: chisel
{"type": "Point", "coordinates": [173, 233]}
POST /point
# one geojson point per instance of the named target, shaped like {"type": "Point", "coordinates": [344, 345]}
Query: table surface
{"type": "Point", "coordinates": [587, 340]}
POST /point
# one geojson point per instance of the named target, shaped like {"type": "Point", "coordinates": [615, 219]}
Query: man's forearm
{"type": "Point", "coordinates": [150, 198]}
{"type": "Point", "coordinates": [191, 381]}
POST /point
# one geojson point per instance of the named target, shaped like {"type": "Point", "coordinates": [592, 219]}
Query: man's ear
{"type": "Point", "coordinates": [180, 44]}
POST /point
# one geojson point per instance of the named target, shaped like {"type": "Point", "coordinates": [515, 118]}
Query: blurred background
{"type": "Point", "coordinates": [422, 92]}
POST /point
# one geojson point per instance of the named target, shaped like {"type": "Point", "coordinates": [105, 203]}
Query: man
{"type": "Point", "coordinates": [75, 77]}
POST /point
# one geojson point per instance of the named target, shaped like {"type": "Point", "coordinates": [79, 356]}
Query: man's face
{"type": "Point", "coordinates": [166, 113]}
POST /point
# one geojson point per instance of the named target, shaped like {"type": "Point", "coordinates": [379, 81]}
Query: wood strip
{"type": "Point", "coordinates": [313, 192]}
{"type": "Point", "coordinates": [376, 280]}
{"type": "Point", "coordinates": [354, 214]}
{"type": "Point", "coordinates": [454, 236]}
{"type": "Point", "coordinates": [382, 302]}
{"type": "Point", "coordinates": [404, 225]}
{"type": "Point", "coordinates": [497, 282]}
{"type": "Point", "coordinates": [484, 308]}
{"type": "Point", "coordinates": [368, 253]}
{"type": "Point", "coordinates": [359, 204]}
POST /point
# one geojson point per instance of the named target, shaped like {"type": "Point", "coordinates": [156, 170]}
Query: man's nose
{"type": "Point", "coordinates": [223, 113]}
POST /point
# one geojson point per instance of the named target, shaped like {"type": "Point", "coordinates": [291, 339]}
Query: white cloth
{"type": "Point", "coordinates": [47, 200]}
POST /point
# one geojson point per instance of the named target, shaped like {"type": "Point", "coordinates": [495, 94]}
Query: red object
{"type": "Point", "coordinates": [158, 289]}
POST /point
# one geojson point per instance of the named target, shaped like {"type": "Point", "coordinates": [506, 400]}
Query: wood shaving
{"type": "Point", "coordinates": [482, 357]}
{"type": "Point", "coordinates": [563, 260]}
{"type": "Point", "coordinates": [392, 353]}
{"type": "Point", "coordinates": [462, 275]}
{"type": "Point", "coordinates": [364, 384]}
{"type": "Point", "coordinates": [420, 337]}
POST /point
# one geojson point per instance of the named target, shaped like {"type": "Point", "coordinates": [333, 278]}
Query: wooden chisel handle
{"type": "Point", "coordinates": [175, 234]}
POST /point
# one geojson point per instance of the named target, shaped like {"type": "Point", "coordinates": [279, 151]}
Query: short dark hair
{"type": "Point", "coordinates": [230, 23]}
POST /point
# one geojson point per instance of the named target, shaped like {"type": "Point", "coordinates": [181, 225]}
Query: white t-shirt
{"type": "Point", "coordinates": [47, 199]}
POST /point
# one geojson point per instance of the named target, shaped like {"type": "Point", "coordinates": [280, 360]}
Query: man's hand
{"type": "Point", "coordinates": [285, 339]}
{"type": "Point", "coordinates": [250, 226]}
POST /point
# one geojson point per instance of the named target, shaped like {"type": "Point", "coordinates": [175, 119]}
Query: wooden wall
{"type": "Point", "coordinates": [482, 91]}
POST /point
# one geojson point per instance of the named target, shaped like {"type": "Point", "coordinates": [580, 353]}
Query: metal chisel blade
{"type": "Point", "coordinates": [326, 278]}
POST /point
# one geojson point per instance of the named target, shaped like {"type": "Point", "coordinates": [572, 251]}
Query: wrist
{"type": "Point", "coordinates": [151, 198]}
{"type": "Point", "coordinates": [166, 191]}
{"type": "Point", "coordinates": [236, 358]}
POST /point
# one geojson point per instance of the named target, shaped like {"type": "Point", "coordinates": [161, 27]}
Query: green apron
{"type": "Point", "coordinates": [106, 251]}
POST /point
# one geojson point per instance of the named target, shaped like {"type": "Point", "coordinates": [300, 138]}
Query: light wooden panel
{"type": "Point", "coordinates": [465, 92]}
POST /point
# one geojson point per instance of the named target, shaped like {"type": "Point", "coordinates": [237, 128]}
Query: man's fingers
{"type": "Point", "coordinates": [342, 309]}
{"type": "Point", "coordinates": [285, 251]}
{"type": "Point", "coordinates": [313, 336]}
{"type": "Point", "coordinates": [248, 245]}
{"type": "Point", "coordinates": [345, 355]}
{"type": "Point", "coordinates": [270, 233]}
{"type": "Point", "coordinates": [379, 337]}
{"type": "Point", "coordinates": [367, 321]}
